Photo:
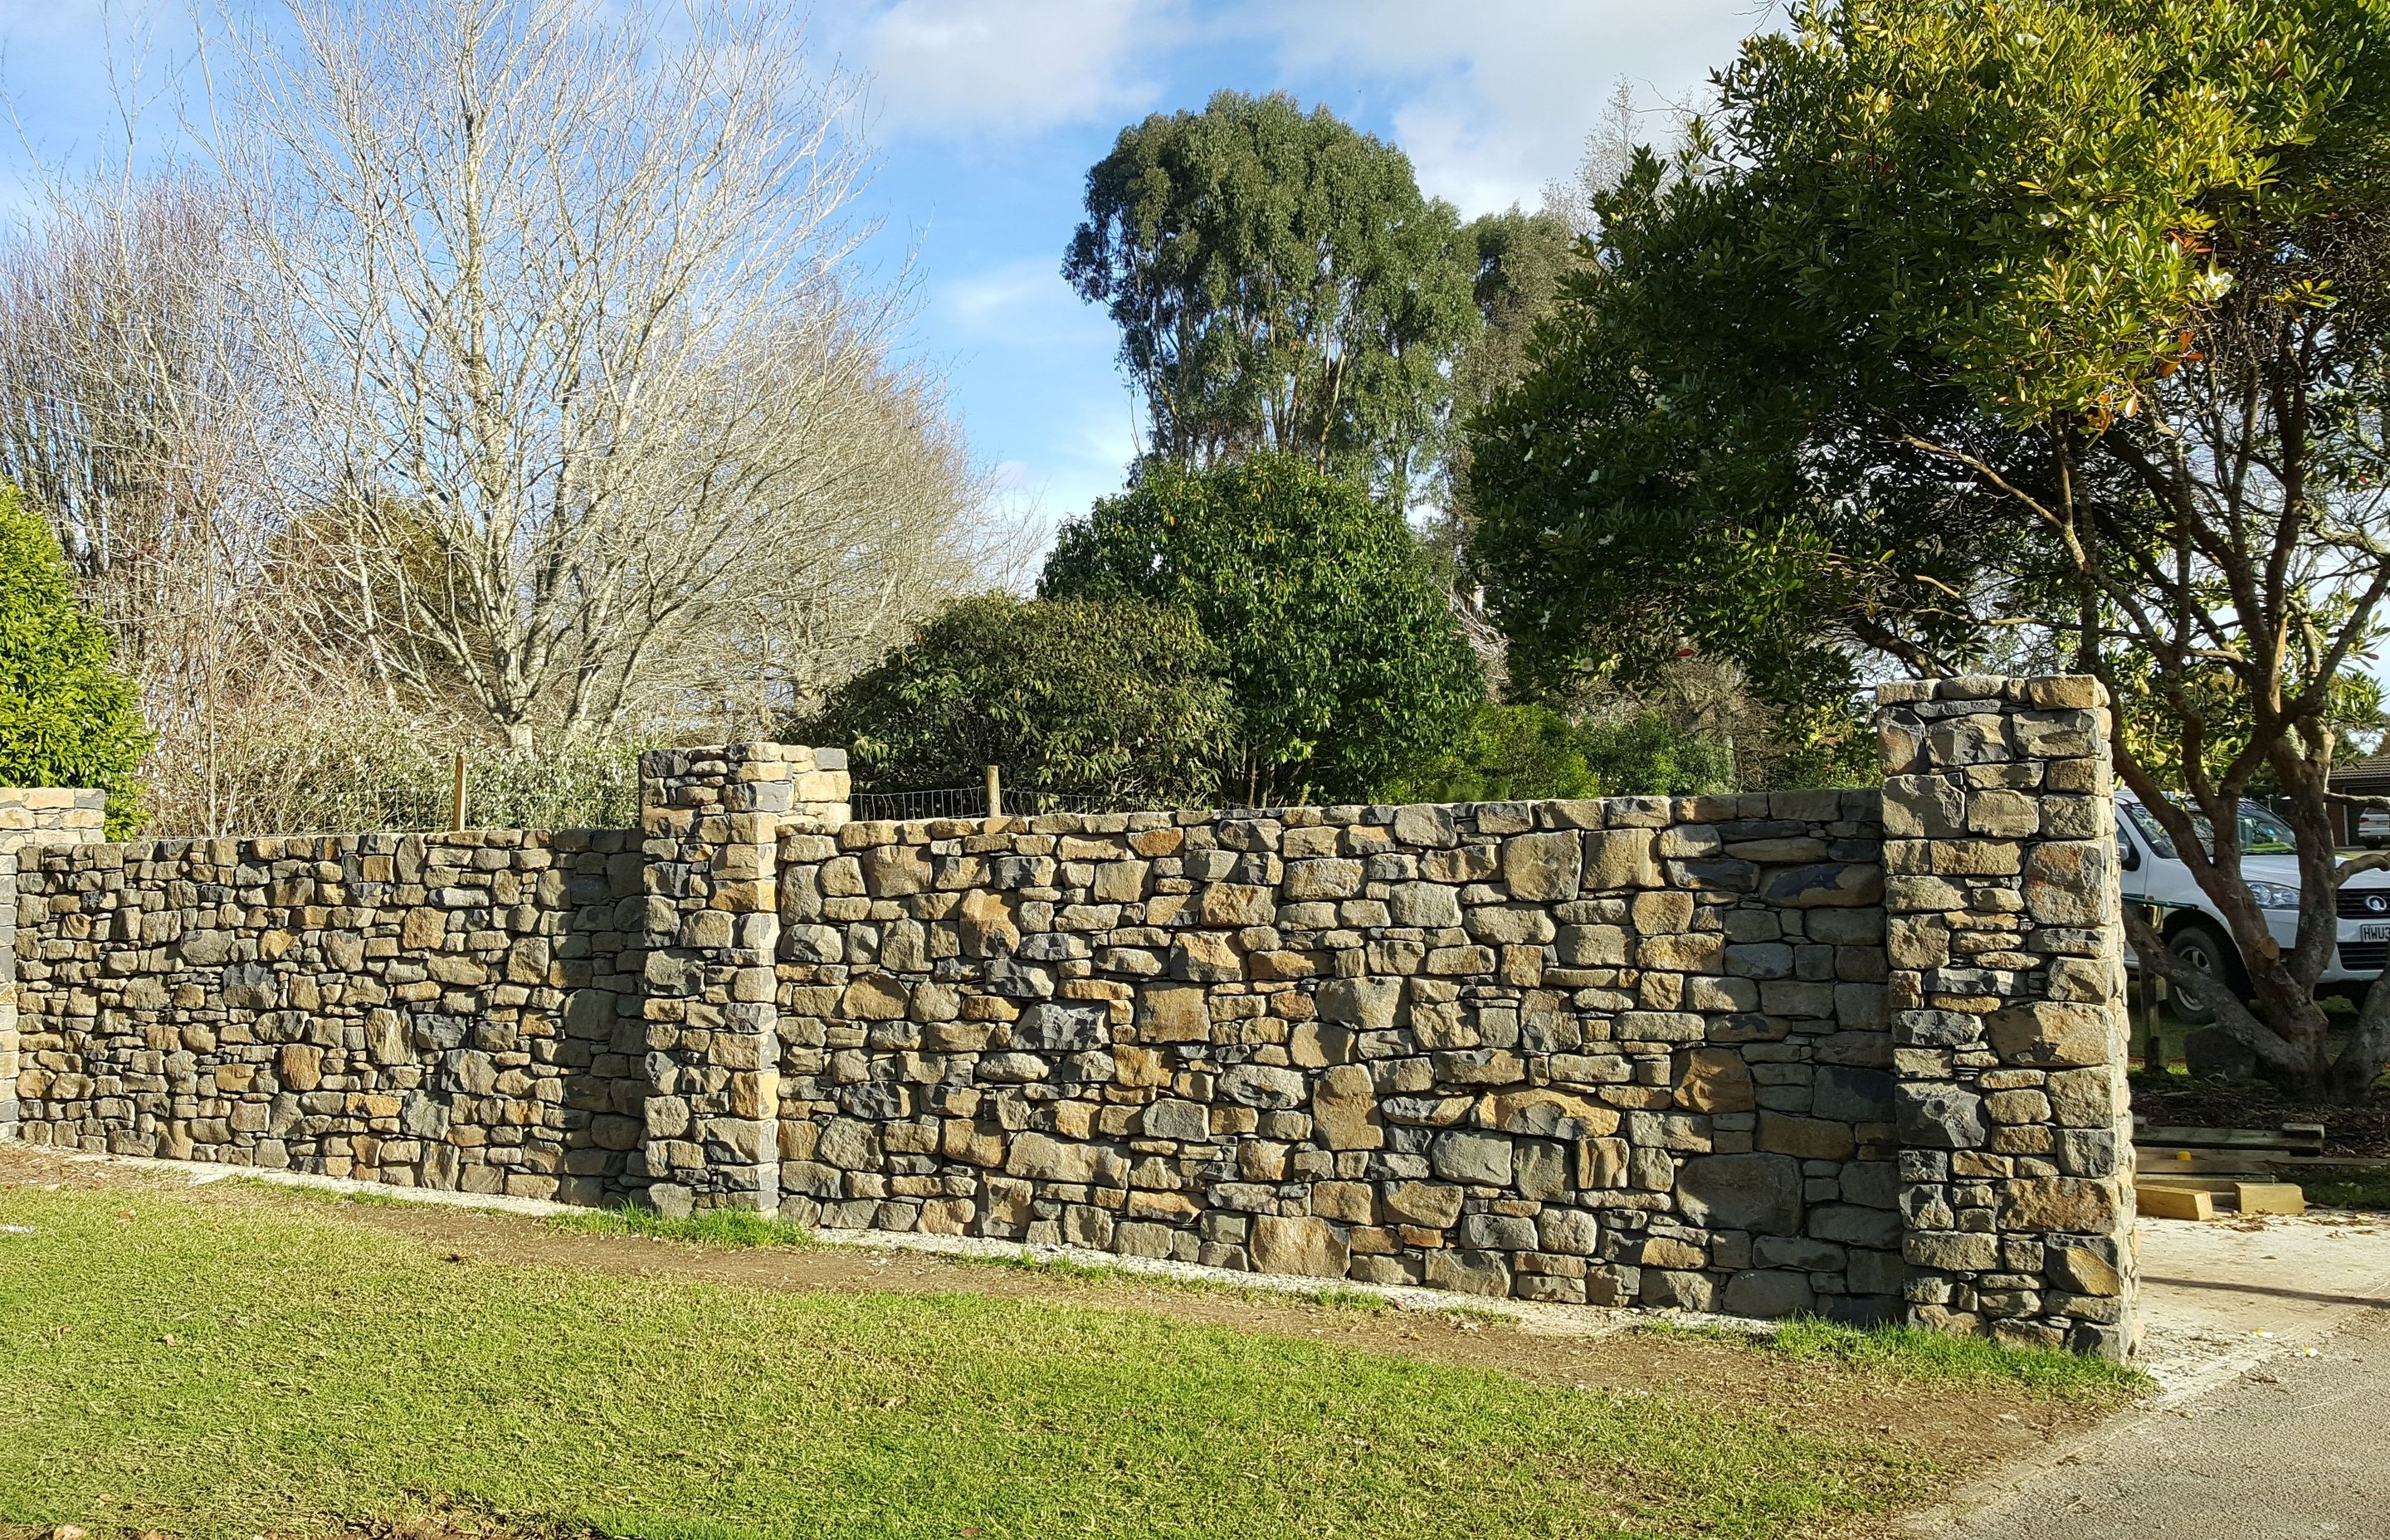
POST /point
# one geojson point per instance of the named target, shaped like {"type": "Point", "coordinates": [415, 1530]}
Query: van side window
{"type": "Point", "coordinates": [2152, 830]}
{"type": "Point", "coordinates": [2128, 854]}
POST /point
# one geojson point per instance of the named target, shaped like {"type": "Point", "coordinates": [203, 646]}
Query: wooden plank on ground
{"type": "Point", "coordinates": [2210, 1162]}
{"type": "Point", "coordinates": [2222, 1187]}
{"type": "Point", "coordinates": [2291, 1136]}
{"type": "Point", "coordinates": [2174, 1203]}
{"type": "Point", "coordinates": [2271, 1198]}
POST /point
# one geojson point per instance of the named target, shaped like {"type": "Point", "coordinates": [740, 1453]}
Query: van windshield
{"type": "Point", "coordinates": [2261, 832]}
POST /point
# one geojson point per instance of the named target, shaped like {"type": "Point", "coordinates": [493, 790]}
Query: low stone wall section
{"type": "Point", "coordinates": [2007, 998]}
{"type": "Point", "coordinates": [1621, 1051]}
{"type": "Point", "coordinates": [1855, 1053]}
{"type": "Point", "coordinates": [455, 1010]}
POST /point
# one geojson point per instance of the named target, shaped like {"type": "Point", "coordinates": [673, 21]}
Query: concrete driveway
{"type": "Point", "coordinates": [2270, 1342]}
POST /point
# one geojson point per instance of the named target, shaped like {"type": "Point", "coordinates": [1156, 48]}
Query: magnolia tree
{"type": "Point", "coordinates": [2028, 335]}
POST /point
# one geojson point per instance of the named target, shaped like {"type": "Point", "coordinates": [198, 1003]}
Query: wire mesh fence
{"type": "Point", "coordinates": [970, 801]}
{"type": "Point", "coordinates": [597, 788]}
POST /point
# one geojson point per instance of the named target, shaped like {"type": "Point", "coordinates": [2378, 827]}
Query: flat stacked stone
{"type": "Point", "coordinates": [1624, 1051]}
{"type": "Point", "coordinates": [711, 819]}
{"type": "Point", "coordinates": [425, 1011]}
{"type": "Point", "coordinates": [29, 816]}
{"type": "Point", "coordinates": [2007, 1001]}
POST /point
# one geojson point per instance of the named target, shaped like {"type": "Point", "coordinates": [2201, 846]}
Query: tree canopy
{"type": "Point", "coordinates": [1279, 283]}
{"type": "Point", "coordinates": [2034, 333]}
{"type": "Point", "coordinates": [1122, 701]}
{"type": "Point", "coordinates": [1348, 666]}
{"type": "Point", "coordinates": [67, 718]}
{"type": "Point", "coordinates": [1529, 751]}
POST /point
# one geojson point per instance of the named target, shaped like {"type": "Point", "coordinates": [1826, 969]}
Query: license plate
{"type": "Point", "coordinates": [2373, 932]}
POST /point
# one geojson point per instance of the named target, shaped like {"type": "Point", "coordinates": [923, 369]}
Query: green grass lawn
{"type": "Point", "coordinates": [267, 1368]}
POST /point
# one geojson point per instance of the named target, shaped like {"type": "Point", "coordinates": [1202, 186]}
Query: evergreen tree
{"type": "Point", "coordinates": [67, 718]}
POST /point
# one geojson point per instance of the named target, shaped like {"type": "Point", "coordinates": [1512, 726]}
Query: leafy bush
{"type": "Point", "coordinates": [1648, 754]}
{"type": "Point", "coordinates": [1123, 701]}
{"type": "Point", "coordinates": [1507, 753]}
{"type": "Point", "coordinates": [67, 718]}
{"type": "Point", "coordinates": [1348, 666]}
{"type": "Point", "coordinates": [1517, 753]}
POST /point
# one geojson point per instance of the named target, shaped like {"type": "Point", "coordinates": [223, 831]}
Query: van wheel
{"type": "Point", "coordinates": [2211, 952]}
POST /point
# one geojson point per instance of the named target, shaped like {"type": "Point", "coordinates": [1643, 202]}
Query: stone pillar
{"type": "Point", "coordinates": [711, 818]}
{"type": "Point", "coordinates": [2006, 998]}
{"type": "Point", "coordinates": [31, 818]}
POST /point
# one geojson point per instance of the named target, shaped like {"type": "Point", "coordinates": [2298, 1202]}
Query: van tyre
{"type": "Point", "coordinates": [2211, 952]}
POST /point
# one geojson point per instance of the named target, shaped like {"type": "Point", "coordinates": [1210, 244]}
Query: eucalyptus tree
{"type": "Point", "coordinates": [1279, 283]}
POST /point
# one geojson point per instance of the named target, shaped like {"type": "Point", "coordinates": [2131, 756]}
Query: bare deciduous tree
{"type": "Point", "coordinates": [131, 405]}
{"type": "Point", "coordinates": [568, 322]}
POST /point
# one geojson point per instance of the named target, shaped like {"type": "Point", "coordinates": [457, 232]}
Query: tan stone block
{"type": "Point", "coordinates": [2084, 1098]}
{"type": "Point", "coordinates": [1174, 1013]}
{"type": "Point", "coordinates": [1344, 1109]}
{"type": "Point", "coordinates": [1543, 866]}
{"type": "Point", "coordinates": [2071, 883]}
{"type": "Point", "coordinates": [2072, 1204]}
{"type": "Point", "coordinates": [1157, 841]}
{"type": "Point", "coordinates": [894, 871]}
{"type": "Point", "coordinates": [985, 924]}
{"type": "Point", "coordinates": [1170, 1208]}
{"type": "Point", "coordinates": [2003, 815]}
{"type": "Point", "coordinates": [1355, 1202]}
{"type": "Point", "coordinates": [1670, 1252]}
{"type": "Point", "coordinates": [1659, 913]}
{"type": "Point", "coordinates": [422, 930]}
{"type": "Point", "coordinates": [2079, 691]}
{"type": "Point", "coordinates": [1231, 905]}
{"type": "Point", "coordinates": [1916, 941]}
{"type": "Point", "coordinates": [1975, 857]}
{"type": "Point", "coordinates": [301, 1067]}
{"type": "Point", "coordinates": [1119, 881]}
{"type": "Point", "coordinates": [1619, 858]}
{"type": "Point", "coordinates": [1710, 1080]}
{"type": "Point", "coordinates": [1429, 1205]}
{"type": "Point", "coordinates": [1304, 1247]}
{"type": "Point", "coordinates": [874, 998]}
{"type": "Point", "coordinates": [1546, 1112]}
{"type": "Point", "coordinates": [2049, 1033]}
{"type": "Point", "coordinates": [1687, 952]}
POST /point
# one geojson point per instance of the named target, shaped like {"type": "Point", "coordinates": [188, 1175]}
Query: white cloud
{"type": "Point", "coordinates": [1493, 98]}
{"type": "Point", "coordinates": [1026, 303]}
{"type": "Point", "coordinates": [1011, 67]}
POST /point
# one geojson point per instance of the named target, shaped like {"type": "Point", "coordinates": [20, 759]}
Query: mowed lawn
{"type": "Point", "coordinates": [209, 1369]}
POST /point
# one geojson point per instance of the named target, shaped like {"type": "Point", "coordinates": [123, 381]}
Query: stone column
{"type": "Point", "coordinates": [711, 817]}
{"type": "Point", "coordinates": [31, 818]}
{"type": "Point", "coordinates": [2007, 998]}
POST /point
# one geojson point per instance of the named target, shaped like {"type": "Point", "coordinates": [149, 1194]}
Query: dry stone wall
{"type": "Point", "coordinates": [2008, 1004]}
{"type": "Point", "coordinates": [29, 816]}
{"type": "Point", "coordinates": [1852, 1053]}
{"type": "Point", "coordinates": [458, 1011]}
{"type": "Point", "coordinates": [1621, 1051]}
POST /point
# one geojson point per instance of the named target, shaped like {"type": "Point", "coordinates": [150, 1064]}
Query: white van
{"type": "Point", "coordinates": [2195, 929]}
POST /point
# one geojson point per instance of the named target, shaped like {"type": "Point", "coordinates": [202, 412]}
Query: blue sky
{"type": "Point", "coordinates": [987, 114]}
